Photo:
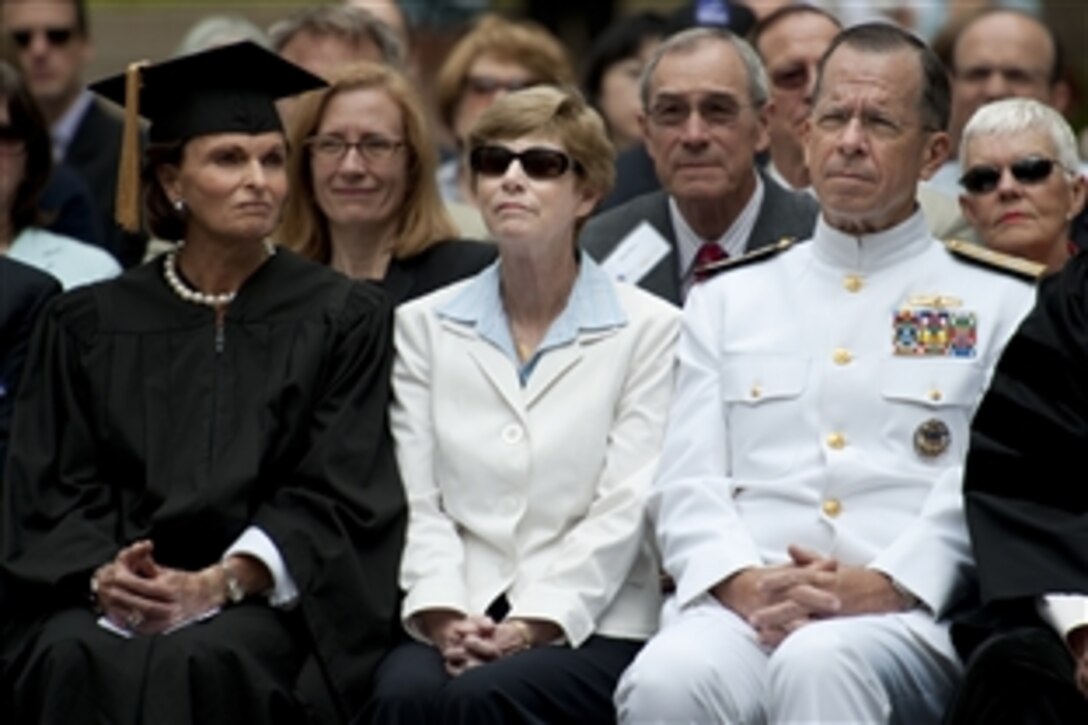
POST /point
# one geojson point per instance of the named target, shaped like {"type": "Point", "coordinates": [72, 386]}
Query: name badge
{"type": "Point", "coordinates": [637, 253]}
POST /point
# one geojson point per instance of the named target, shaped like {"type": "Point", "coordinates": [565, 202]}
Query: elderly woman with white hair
{"type": "Point", "coordinates": [1022, 186]}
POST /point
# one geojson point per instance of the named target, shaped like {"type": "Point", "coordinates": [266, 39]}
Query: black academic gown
{"type": "Point", "coordinates": [1026, 503]}
{"type": "Point", "coordinates": [134, 423]}
{"type": "Point", "coordinates": [441, 264]}
{"type": "Point", "coordinates": [24, 291]}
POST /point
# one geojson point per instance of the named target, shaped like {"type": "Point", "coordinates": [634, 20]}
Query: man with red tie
{"type": "Point", "coordinates": [807, 505]}
{"type": "Point", "coordinates": [703, 94]}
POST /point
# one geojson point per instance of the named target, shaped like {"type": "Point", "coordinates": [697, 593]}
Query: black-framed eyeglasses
{"type": "Point", "coordinates": [984, 178]}
{"type": "Point", "coordinates": [56, 36]}
{"type": "Point", "coordinates": [373, 148]}
{"type": "Point", "coordinates": [489, 85]}
{"type": "Point", "coordinates": [716, 109]}
{"type": "Point", "coordinates": [537, 162]}
{"type": "Point", "coordinates": [791, 78]}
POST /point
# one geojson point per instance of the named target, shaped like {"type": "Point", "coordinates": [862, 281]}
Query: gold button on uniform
{"type": "Point", "coordinates": [853, 282]}
{"type": "Point", "coordinates": [935, 395]}
{"type": "Point", "coordinates": [756, 392]}
{"type": "Point", "coordinates": [842, 356]}
{"type": "Point", "coordinates": [836, 441]}
{"type": "Point", "coordinates": [832, 507]}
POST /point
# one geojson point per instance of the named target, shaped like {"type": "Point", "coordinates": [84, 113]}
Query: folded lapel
{"type": "Point", "coordinates": [492, 363]}
{"type": "Point", "coordinates": [556, 363]}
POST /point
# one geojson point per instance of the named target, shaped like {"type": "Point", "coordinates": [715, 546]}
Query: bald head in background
{"type": "Point", "coordinates": [1004, 54]}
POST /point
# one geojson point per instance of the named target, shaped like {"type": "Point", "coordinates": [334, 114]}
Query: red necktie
{"type": "Point", "coordinates": [707, 254]}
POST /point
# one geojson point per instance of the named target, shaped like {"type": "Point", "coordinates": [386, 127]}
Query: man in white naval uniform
{"type": "Point", "coordinates": [808, 501]}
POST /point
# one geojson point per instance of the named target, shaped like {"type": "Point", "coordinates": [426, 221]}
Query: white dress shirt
{"type": "Point", "coordinates": [734, 241]}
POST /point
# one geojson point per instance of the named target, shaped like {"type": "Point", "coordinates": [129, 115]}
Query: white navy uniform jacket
{"type": "Point", "coordinates": [538, 491]}
{"type": "Point", "coordinates": [795, 420]}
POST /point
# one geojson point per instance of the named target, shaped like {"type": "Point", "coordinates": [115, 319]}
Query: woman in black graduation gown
{"type": "Point", "coordinates": [1026, 642]}
{"type": "Point", "coordinates": [201, 509]}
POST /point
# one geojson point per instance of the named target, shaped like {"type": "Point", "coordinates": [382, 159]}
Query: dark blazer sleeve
{"type": "Point", "coordinates": [443, 264]}
{"type": "Point", "coordinates": [24, 292]}
{"type": "Point", "coordinates": [69, 207]}
{"type": "Point", "coordinates": [94, 154]}
{"type": "Point", "coordinates": [785, 213]}
{"type": "Point", "coordinates": [603, 233]}
{"type": "Point", "coordinates": [1024, 482]}
{"type": "Point", "coordinates": [1025, 496]}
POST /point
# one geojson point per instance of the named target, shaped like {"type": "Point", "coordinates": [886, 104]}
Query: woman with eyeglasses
{"type": "Point", "coordinates": [529, 407]}
{"type": "Point", "coordinates": [497, 56]}
{"type": "Point", "coordinates": [365, 201]}
{"type": "Point", "coordinates": [1021, 185]}
{"type": "Point", "coordinates": [26, 159]}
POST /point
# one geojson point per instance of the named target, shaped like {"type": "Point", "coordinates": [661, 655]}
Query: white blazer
{"type": "Point", "coordinates": [539, 491]}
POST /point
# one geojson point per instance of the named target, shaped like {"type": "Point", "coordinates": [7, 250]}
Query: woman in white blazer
{"type": "Point", "coordinates": [529, 407]}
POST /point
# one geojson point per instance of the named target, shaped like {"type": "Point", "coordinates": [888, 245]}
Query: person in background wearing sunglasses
{"type": "Point", "coordinates": [25, 164]}
{"type": "Point", "coordinates": [1026, 640]}
{"type": "Point", "coordinates": [366, 201]}
{"type": "Point", "coordinates": [1021, 184]}
{"type": "Point", "coordinates": [808, 502]}
{"type": "Point", "coordinates": [790, 42]}
{"type": "Point", "coordinates": [529, 405]}
{"type": "Point", "coordinates": [53, 46]}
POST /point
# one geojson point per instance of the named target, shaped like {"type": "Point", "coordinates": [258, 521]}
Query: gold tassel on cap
{"type": "Point", "coordinates": [127, 206]}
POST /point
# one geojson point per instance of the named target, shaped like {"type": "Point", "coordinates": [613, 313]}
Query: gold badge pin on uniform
{"type": "Point", "coordinates": [931, 438]}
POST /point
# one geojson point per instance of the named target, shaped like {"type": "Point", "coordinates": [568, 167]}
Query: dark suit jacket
{"type": "Point", "coordinates": [1078, 230]}
{"type": "Point", "coordinates": [445, 263]}
{"type": "Point", "coordinates": [783, 214]}
{"type": "Point", "coordinates": [68, 206]}
{"type": "Point", "coordinates": [94, 153]}
{"type": "Point", "coordinates": [635, 176]}
{"type": "Point", "coordinates": [23, 293]}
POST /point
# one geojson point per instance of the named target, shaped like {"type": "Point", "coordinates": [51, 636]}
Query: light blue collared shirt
{"type": "Point", "coordinates": [592, 305]}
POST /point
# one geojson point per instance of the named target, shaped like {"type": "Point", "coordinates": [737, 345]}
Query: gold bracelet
{"type": "Point", "coordinates": [522, 628]}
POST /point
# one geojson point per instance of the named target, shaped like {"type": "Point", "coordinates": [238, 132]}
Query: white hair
{"type": "Point", "coordinates": [1017, 115]}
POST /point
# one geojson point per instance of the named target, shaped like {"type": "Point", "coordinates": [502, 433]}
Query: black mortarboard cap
{"type": "Point", "coordinates": [228, 89]}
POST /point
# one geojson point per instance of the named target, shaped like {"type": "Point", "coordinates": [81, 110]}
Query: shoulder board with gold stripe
{"type": "Point", "coordinates": [756, 255]}
{"type": "Point", "coordinates": [999, 261]}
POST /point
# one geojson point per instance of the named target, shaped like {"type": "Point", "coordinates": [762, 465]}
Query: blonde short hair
{"type": "Point", "coordinates": [422, 215]}
{"type": "Point", "coordinates": [558, 113]}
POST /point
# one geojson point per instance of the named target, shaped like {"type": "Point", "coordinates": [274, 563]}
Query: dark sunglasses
{"type": "Point", "coordinates": [57, 37]}
{"type": "Point", "coordinates": [792, 78]}
{"type": "Point", "coordinates": [1028, 170]}
{"type": "Point", "coordinates": [537, 162]}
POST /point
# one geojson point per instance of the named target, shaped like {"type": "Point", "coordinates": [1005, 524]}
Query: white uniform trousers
{"type": "Point", "coordinates": [707, 666]}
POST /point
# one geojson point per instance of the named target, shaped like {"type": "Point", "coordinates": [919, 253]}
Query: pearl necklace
{"type": "Point", "coordinates": [170, 271]}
